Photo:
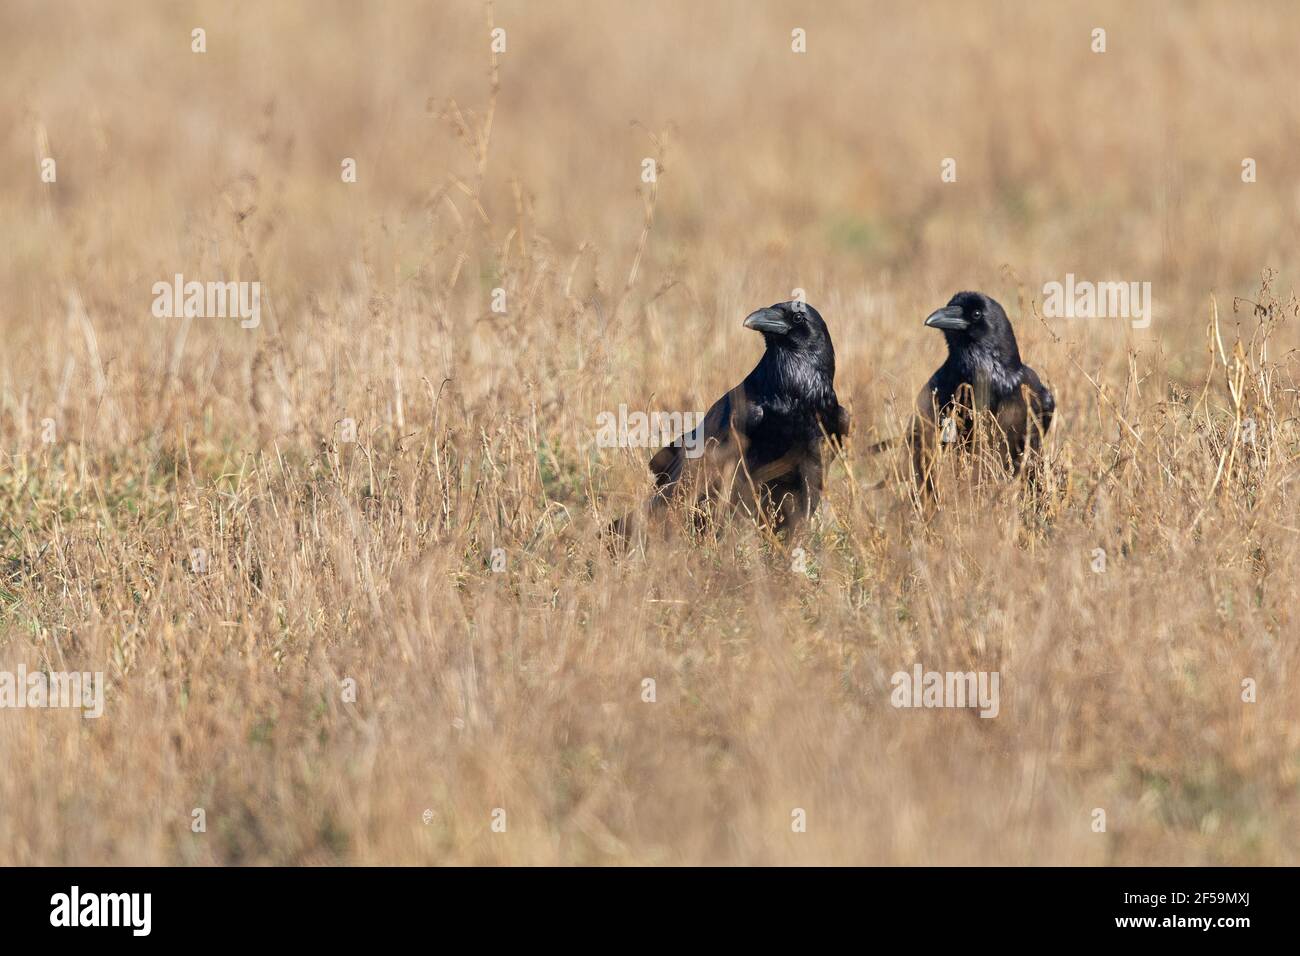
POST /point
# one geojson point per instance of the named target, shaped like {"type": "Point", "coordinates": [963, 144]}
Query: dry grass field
{"type": "Point", "coordinates": [180, 510]}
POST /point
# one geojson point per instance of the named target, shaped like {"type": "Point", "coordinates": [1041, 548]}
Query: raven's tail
{"type": "Point", "coordinates": [885, 444]}
{"type": "Point", "coordinates": [627, 533]}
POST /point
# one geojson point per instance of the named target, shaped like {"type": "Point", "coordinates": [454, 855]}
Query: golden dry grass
{"type": "Point", "coordinates": [522, 689]}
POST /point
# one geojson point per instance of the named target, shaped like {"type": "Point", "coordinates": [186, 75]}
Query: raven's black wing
{"type": "Point", "coordinates": [716, 445]}
{"type": "Point", "coordinates": [1041, 402]}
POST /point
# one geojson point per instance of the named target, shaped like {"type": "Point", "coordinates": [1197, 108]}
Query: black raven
{"type": "Point", "coordinates": [983, 373]}
{"type": "Point", "coordinates": [760, 445]}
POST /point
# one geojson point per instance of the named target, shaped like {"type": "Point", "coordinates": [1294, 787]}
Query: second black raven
{"type": "Point", "coordinates": [983, 374]}
{"type": "Point", "coordinates": [760, 445]}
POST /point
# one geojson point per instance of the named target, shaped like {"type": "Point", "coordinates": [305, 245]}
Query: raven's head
{"type": "Point", "coordinates": [973, 322]}
{"type": "Point", "coordinates": [795, 330]}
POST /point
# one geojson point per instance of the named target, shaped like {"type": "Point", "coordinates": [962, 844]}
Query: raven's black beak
{"type": "Point", "coordinates": [950, 318]}
{"type": "Point", "coordinates": [768, 320]}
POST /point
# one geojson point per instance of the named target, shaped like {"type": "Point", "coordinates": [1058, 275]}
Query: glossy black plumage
{"type": "Point", "coordinates": [762, 441]}
{"type": "Point", "coordinates": [983, 374]}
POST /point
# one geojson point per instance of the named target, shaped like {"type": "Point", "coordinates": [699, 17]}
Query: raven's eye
{"type": "Point", "coordinates": [977, 315]}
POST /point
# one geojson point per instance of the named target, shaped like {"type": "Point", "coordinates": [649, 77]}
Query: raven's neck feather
{"type": "Point", "coordinates": [797, 377]}
{"type": "Point", "coordinates": [980, 363]}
